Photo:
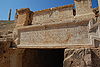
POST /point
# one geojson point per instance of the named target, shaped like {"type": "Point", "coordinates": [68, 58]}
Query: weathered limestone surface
{"type": "Point", "coordinates": [52, 27]}
{"type": "Point", "coordinates": [83, 7]}
{"type": "Point", "coordinates": [94, 32]}
{"type": "Point", "coordinates": [61, 35]}
{"type": "Point", "coordinates": [72, 31]}
{"type": "Point", "coordinates": [56, 27]}
{"type": "Point", "coordinates": [82, 57]}
{"type": "Point", "coordinates": [24, 17]}
{"type": "Point", "coordinates": [77, 58]}
{"type": "Point", "coordinates": [53, 15]}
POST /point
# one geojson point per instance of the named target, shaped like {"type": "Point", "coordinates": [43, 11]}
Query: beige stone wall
{"type": "Point", "coordinates": [77, 57]}
{"type": "Point", "coordinates": [70, 31]}
{"type": "Point", "coordinates": [82, 57]}
{"type": "Point", "coordinates": [21, 20]}
{"type": "Point", "coordinates": [5, 27]}
{"type": "Point", "coordinates": [55, 36]}
{"type": "Point", "coordinates": [83, 7]}
{"type": "Point", "coordinates": [24, 17]}
{"type": "Point", "coordinates": [52, 16]}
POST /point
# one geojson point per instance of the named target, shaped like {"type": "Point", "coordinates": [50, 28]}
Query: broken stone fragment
{"type": "Point", "coordinates": [24, 17]}
{"type": "Point", "coordinates": [23, 11]}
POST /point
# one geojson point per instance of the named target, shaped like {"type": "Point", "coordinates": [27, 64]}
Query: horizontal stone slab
{"type": "Point", "coordinates": [5, 39]}
{"type": "Point", "coordinates": [75, 46]}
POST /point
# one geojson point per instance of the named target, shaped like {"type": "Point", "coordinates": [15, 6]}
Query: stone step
{"type": "Point", "coordinates": [5, 39]}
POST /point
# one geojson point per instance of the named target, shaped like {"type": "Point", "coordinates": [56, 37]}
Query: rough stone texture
{"type": "Point", "coordinates": [24, 17]}
{"type": "Point", "coordinates": [83, 57]}
{"type": "Point", "coordinates": [53, 15]}
{"type": "Point", "coordinates": [83, 7]}
{"type": "Point", "coordinates": [94, 30]}
{"type": "Point", "coordinates": [69, 31]}
{"type": "Point", "coordinates": [4, 54]}
{"type": "Point", "coordinates": [51, 27]}
{"type": "Point", "coordinates": [77, 58]}
{"type": "Point", "coordinates": [6, 28]}
{"type": "Point", "coordinates": [95, 57]}
{"type": "Point", "coordinates": [5, 42]}
{"type": "Point", "coordinates": [61, 35]}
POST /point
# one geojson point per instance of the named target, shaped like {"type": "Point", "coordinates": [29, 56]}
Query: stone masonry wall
{"type": "Point", "coordinates": [56, 25]}
{"type": "Point", "coordinates": [82, 57]}
{"type": "Point", "coordinates": [53, 15]}
{"type": "Point", "coordinates": [63, 35]}
{"type": "Point", "coordinates": [5, 27]}
{"type": "Point", "coordinates": [24, 17]}
{"type": "Point", "coordinates": [73, 31]}
{"type": "Point", "coordinates": [83, 6]}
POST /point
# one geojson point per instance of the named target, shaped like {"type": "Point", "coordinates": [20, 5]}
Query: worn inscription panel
{"type": "Point", "coordinates": [75, 35]}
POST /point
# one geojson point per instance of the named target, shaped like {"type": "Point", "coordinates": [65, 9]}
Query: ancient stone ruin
{"type": "Point", "coordinates": [57, 37]}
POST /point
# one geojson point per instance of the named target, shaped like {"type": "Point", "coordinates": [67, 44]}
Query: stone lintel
{"type": "Point", "coordinates": [54, 47]}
